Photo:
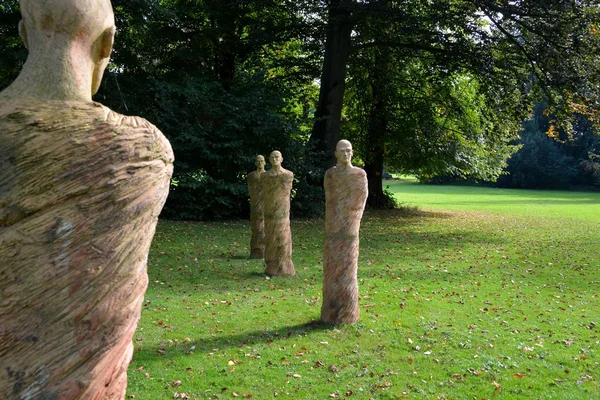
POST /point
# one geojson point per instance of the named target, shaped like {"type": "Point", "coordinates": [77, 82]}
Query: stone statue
{"type": "Point", "coordinates": [257, 209]}
{"type": "Point", "coordinates": [81, 188]}
{"type": "Point", "coordinates": [277, 187]}
{"type": "Point", "coordinates": [345, 197]}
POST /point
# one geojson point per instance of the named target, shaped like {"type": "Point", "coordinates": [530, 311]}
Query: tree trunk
{"type": "Point", "coordinates": [326, 129]}
{"type": "Point", "coordinates": [377, 128]}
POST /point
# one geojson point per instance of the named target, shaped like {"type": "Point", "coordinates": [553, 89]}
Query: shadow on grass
{"type": "Point", "coordinates": [234, 256]}
{"type": "Point", "coordinates": [387, 236]}
{"type": "Point", "coordinates": [222, 341]}
{"type": "Point", "coordinates": [405, 213]}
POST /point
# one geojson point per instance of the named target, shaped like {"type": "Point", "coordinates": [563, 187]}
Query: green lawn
{"type": "Point", "coordinates": [478, 294]}
{"type": "Point", "coordinates": [538, 203]}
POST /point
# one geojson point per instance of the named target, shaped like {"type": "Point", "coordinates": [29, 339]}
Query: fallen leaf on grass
{"type": "Point", "coordinates": [519, 375]}
{"type": "Point", "coordinates": [584, 378]}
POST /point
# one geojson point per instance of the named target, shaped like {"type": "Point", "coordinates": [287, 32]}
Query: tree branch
{"type": "Point", "coordinates": [490, 5]}
{"type": "Point", "coordinates": [529, 28]}
{"type": "Point", "coordinates": [413, 46]}
{"type": "Point", "coordinates": [532, 62]}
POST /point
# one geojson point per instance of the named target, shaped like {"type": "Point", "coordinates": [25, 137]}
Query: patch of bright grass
{"type": "Point", "coordinates": [458, 301]}
{"type": "Point", "coordinates": [539, 203]}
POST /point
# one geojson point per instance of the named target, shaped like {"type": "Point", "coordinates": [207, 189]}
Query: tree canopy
{"type": "Point", "coordinates": [432, 87]}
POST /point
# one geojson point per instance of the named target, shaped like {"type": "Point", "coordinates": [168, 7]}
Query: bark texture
{"type": "Point", "coordinates": [81, 188]}
{"type": "Point", "coordinates": [277, 189]}
{"type": "Point", "coordinates": [326, 129]}
{"type": "Point", "coordinates": [257, 215]}
{"type": "Point", "coordinates": [345, 197]}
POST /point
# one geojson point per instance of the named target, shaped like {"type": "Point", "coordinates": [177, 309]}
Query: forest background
{"type": "Point", "coordinates": [496, 92]}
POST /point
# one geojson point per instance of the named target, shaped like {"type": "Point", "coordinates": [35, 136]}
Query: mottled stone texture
{"type": "Point", "coordinates": [277, 186]}
{"type": "Point", "coordinates": [257, 220]}
{"type": "Point", "coordinates": [345, 196]}
{"type": "Point", "coordinates": [81, 188]}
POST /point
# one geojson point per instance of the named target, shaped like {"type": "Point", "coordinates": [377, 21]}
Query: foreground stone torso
{"type": "Point", "coordinates": [81, 188]}
{"type": "Point", "coordinates": [257, 220]}
{"type": "Point", "coordinates": [277, 189]}
{"type": "Point", "coordinates": [345, 197]}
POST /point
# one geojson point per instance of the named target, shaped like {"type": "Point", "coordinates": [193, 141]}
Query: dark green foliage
{"type": "Point", "coordinates": [553, 163]}
{"type": "Point", "coordinates": [539, 164]}
{"type": "Point", "coordinates": [222, 85]}
{"type": "Point", "coordinates": [216, 135]}
{"type": "Point", "coordinates": [12, 50]}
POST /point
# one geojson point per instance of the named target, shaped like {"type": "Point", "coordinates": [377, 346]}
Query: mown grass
{"type": "Point", "coordinates": [472, 296]}
{"type": "Point", "coordinates": [539, 203]}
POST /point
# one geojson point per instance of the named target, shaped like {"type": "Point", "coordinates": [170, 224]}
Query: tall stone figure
{"type": "Point", "coordinates": [277, 187]}
{"type": "Point", "coordinates": [81, 188]}
{"type": "Point", "coordinates": [345, 197]}
{"type": "Point", "coordinates": [257, 209]}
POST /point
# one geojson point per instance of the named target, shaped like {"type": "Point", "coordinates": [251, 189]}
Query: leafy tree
{"type": "Point", "coordinates": [515, 52]}
{"type": "Point", "coordinates": [539, 164]}
{"type": "Point", "coordinates": [216, 78]}
{"type": "Point", "coordinates": [419, 119]}
{"type": "Point", "coordinates": [566, 160]}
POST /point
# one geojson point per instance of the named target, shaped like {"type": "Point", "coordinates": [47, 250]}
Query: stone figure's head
{"type": "Point", "coordinates": [343, 152]}
{"type": "Point", "coordinates": [275, 158]}
{"type": "Point", "coordinates": [260, 162]}
{"type": "Point", "coordinates": [82, 27]}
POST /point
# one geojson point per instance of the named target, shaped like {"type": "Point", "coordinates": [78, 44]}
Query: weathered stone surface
{"type": "Point", "coordinates": [345, 196]}
{"type": "Point", "coordinates": [277, 187]}
{"type": "Point", "coordinates": [81, 188]}
{"type": "Point", "coordinates": [257, 209]}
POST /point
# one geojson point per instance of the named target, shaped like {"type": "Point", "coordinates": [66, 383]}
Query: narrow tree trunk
{"type": "Point", "coordinates": [377, 128]}
{"type": "Point", "coordinates": [225, 43]}
{"type": "Point", "coordinates": [373, 168]}
{"type": "Point", "coordinates": [326, 129]}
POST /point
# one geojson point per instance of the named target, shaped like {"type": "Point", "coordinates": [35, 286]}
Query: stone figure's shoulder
{"type": "Point", "coordinates": [253, 176]}
{"type": "Point", "coordinates": [331, 171]}
{"type": "Point", "coordinates": [287, 172]}
{"type": "Point", "coordinates": [137, 128]}
{"type": "Point", "coordinates": [25, 119]}
{"type": "Point", "coordinates": [358, 172]}
{"type": "Point", "coordinates": [79, 124]}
